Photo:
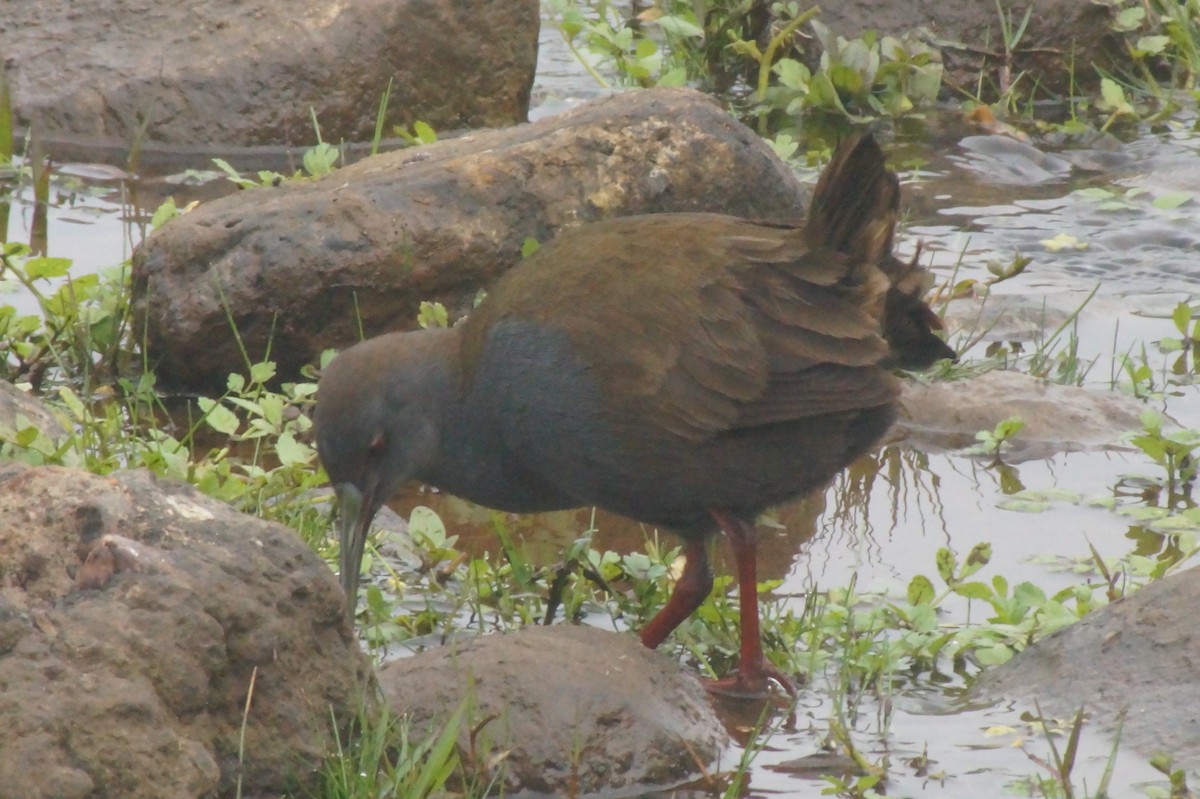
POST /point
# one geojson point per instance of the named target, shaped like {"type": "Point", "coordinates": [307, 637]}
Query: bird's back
{"type": "Point", "coordinates": [662, 365]}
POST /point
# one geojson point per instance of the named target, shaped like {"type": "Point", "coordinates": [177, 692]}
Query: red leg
{"type": "Point", "coordinates": [694, 585]}
{"type": "Point", "coordinates": [754, 672]}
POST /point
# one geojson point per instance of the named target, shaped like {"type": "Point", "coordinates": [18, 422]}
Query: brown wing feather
{"type": "Point", "coordinates": [673, 345]}
{"type": "Point", "coordinates": [826, 388]}
{"type": "Point", "coordinates": [729, 323]}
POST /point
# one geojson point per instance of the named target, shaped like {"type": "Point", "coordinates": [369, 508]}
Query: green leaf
{"type": "Point", "coordinates": [530, 246]}
{"type": "Point", "coordinates": [1167, 345]}
{"type": "Point", "coordinates": [433, 314]}
{"type": "Point", "coordinates": [821, 94]}
{"type": "Point", "coordinates": [974, 590]}
{"type": "Point", "coordinates": [426, 527]}
{"type": "Point", "coordinates": [675, 25]}
{"type": "Point", "coordinates": [1175, 524]}
{"type": "Point", "coordinates": [847, 79]}
{"type": "Point", "coordinates": [946, 564]}
{"type": "Point", "coordinates": [73, 403]}
{"type": "Point", "coordinates": [920, 590]}
{"type": "Point", "coordinates": [291, 452]}
{"type": "Point", "coordinates": [320, 160]}
{"type": "Point", "coordinates": [1181, 316]}
{"type": "Point", "coordinates": [784, 146]}
{"type": "Point", "coordinates": [1172, 199]}
{"type": "Point", "coordinates": [47, 267]}
{"type": "Point", "coordinates": [233, 174]}
{"type": "Point", "coordinates": [218, 417]}
{"type": "Point", "coordinates": [166, 211]}
{"type": "Point", "coordinates": [262, 372]}
{"type": "Point", "coordinates": [792, 74]}
{"type": "Point", "coordinates": [1029, 594]}
{"type": "Point", "coordinates": [674, 77]}
{"type": "Point", "coordinates": [424, 132]}
{"type": "Point", "coordinates": [1054, 616]}
{"type": "Point", "coordinates": [249, 406]}
{"type": "Point", "coordinates": [923, 618]}
{"type": "Point", "coordinates": [572, 23]}
{"type": "Point", "coordinates": [1113, 96]}
{"type": "Point", "coordinates": [272, 410]}
{"type": "Point", "coordinates": [747, 49]}
{"type": "Point", "coordinates": [979, 556]}
{"type": "Point", "coordinates": [1129, 18]}
{"type": "Point", "coordinates": [1023, 505]}
{"type": "Point", "coordinates": [646, 48]}
{"type": "Point", "coordinates": [1048, 495]}
{"type": "Point", "coordinates": [1152, 45]}
{"type": "Point", "coordinates": [1009, 427]}
{"type": "Point", "coordinates": [1095, 194]}
{"type": "Point", "coordinates": [1143, 513]}
{"type": "Point", "coordinates": [300, 390]}
{"type": "Point", "coordinates": [898, 104]}
{"type": "Point", "coordinates": [993, 655]}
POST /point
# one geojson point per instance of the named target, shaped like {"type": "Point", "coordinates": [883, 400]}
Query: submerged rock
{"type": "Point", "coordinates": [1057, 418]}
{"type": "Point", "coordinates": [562, 710]}
{"type": "Point", "coordinates": [1139, 657]}
{"type": "Point", "coordinates": [223, 72]}
{"type": "Point", "coordinates": [136, 617]}
{"type": "Point", "coordinates": [314, 264]}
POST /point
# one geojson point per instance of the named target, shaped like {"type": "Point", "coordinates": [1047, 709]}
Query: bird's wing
{"type": "Point", "coordinates": [698, 324]}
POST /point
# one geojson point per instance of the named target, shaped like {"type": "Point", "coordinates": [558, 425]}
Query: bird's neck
{"type": "Point", "coordinates": [474, 459]}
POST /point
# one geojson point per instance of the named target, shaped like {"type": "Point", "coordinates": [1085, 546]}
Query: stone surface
{"type": "Point", "coordinates": [233, 73]}
{"type": "Point", "coordinates": [1141, 654]}
{"type": "Point", "coordinates": [20, 409]}
{"type": "Point", "coordinates": [1057, 418]}
{"type": "Point", "coordinates": [1060, 34]}
{"type": "Point", "coordinates": [300, 265]}
{"type": "Point", "coordinates": [580, 711]}
{"type": "Point", "coordinates": [136, 686]}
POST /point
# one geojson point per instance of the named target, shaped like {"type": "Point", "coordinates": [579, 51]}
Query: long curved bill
{"type": "Point", "coordinates": [354, 521]}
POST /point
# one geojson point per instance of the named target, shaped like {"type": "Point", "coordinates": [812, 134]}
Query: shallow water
{"type": "Point", "coordinates": [972, 200]}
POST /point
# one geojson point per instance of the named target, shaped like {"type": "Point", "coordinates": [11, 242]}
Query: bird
{"type": "Point", "coordinates": [685, 370]}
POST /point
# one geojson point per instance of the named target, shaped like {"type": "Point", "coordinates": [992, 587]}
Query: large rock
{"type": "Point", "coordinates": [1139, 656]}
{"type": "Point", "coordinates": [299, 267]}
{"type": "Point", "coordinates": [135, 619]}
{"type": "Point", "coordinates": [234, 73]}
{"type": "Point", "coordinates": [578, 711]}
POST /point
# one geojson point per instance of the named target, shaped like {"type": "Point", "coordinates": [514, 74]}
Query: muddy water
{"type": "Point", "coordinates": [973, 199]}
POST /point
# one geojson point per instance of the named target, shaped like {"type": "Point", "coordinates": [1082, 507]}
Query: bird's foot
{"type": "Point", "coordinates": [751, 682]}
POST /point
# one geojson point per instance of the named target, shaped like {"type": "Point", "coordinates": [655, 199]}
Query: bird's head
{"type": "Point", "coordinates": [377, 428]}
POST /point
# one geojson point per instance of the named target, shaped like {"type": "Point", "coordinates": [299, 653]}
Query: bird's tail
{"type": "Point", "coordinates": [855, 204]}
{"type": "Point", "coordinates": [854, 210]}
